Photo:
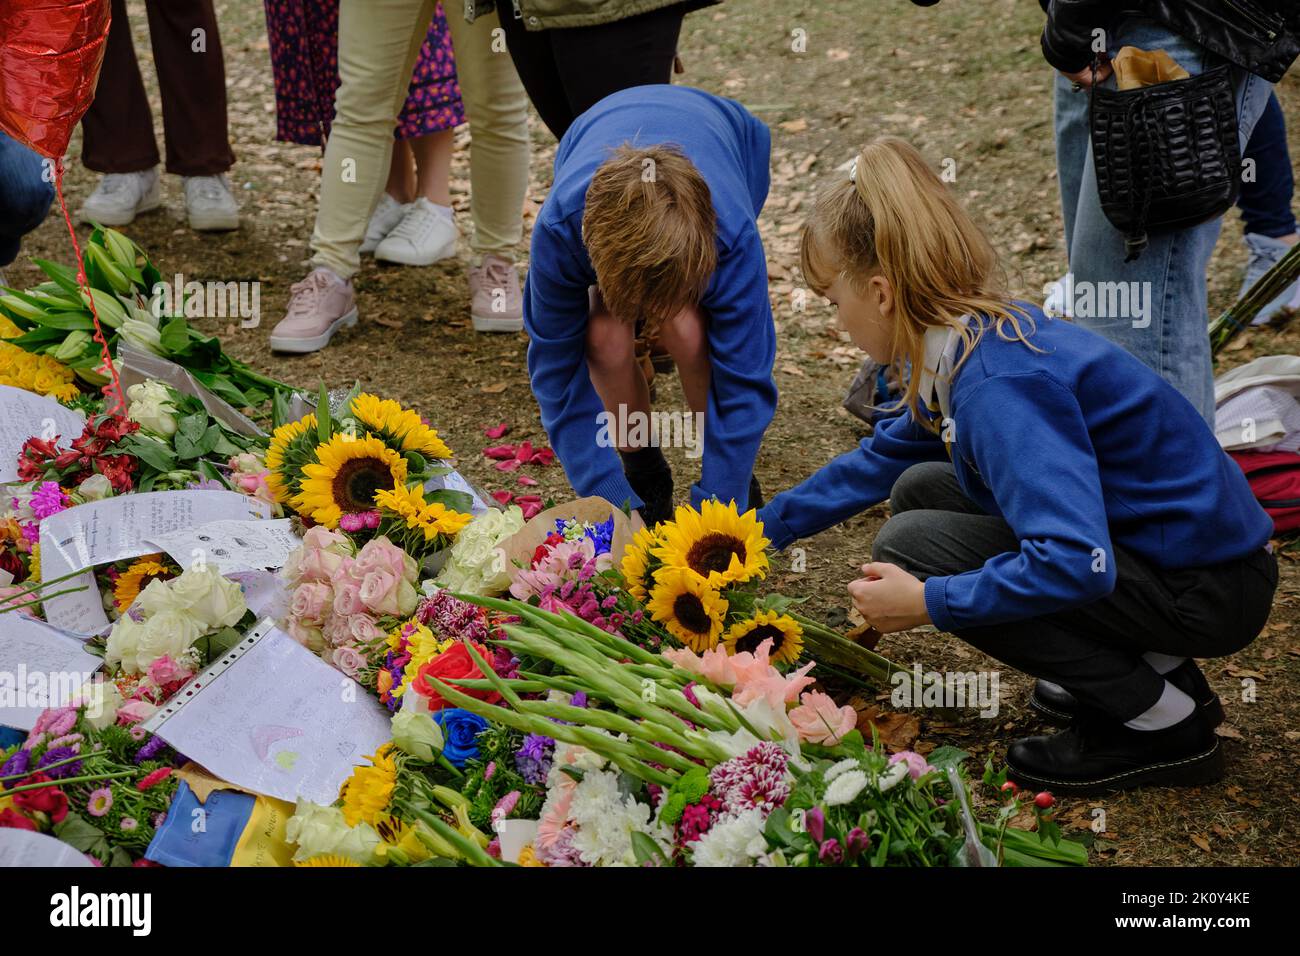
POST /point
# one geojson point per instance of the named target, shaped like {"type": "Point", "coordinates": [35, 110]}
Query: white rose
{"type": "Point", "coordinates": [154, 417]}
{"type": "Point", "coordinates": [101, 699]}
{"type": "Point", "coordinates": [417, 734]}
{"type": "Point", "coordinates": [207, 597]}
{"type": "Point", "coordinates": [157, 597]}
{"type": "Point", "coordinates": [95, 488]}
{"type": "Point", "coordinates": [123, 647]}
{"type": "Point", "coordinates": [169, 633]}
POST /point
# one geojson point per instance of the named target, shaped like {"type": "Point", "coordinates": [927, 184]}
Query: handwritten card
{"type": "Point", "coordinates": [28, 848]}
{"type": "Point", "coordinates": [40, 667]}
{"type": "Point", "coordinates": [116, 529]}
{"type": "Point", "coordinates": [273, 718]}
{"type": "Point", "coordinates": [232, 545]}
{"type": "Point", "coordinates": [25, 415]}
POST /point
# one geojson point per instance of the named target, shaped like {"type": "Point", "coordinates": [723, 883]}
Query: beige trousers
{"type": "Point", "coordinates": [379, 41]}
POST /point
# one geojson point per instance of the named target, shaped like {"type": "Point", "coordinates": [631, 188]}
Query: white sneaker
{"type": "Point", "coordinates": [210, 204]}
{"type": "Point", "coordinates": [422, 237]}
{"type": "Point", "coordinates": [383, 220]}
{"type": "Point", "coordinates": [120, 197]}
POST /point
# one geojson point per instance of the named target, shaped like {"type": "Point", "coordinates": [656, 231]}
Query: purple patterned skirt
{"type": "Point", "coordinates": [304, 44]}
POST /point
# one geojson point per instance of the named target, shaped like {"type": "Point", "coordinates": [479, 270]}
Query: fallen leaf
{"type": "Point", "coordinates": [795, 125]}
{"type": "Point", "coordinates": [897, 731]}
{"type": "Point", "coordinates": [1200, 840]}
{"type": "Point", "coordinates": [495, 389]}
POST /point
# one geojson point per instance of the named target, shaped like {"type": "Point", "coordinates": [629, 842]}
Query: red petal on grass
{"type": "Point", "coordinates": [528, 481]}
{"type": "Point", "coordinates": [496, 431]}
{"type": "Point", "coordinates": [543, 456]}
{"type": "Point", "coordinates": [514, 464]}
{"type": "Point", "coordinates": [503, 497]}
{"type": "Point", "coordinates": [500, 452]}
{"type": "Point", "coordinates": [525, 451]}
{"type": "Point", "coordinates": [531, 505]}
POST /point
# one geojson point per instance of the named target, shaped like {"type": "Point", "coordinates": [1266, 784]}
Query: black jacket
{"type": "Point", "coordinates": [1262, 36]}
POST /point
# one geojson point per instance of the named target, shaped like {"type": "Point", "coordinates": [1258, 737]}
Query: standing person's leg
{"type": "Point", "coordinates": [596, 61]}
{"type": "Point", "coordinates": [1168, 312]}
{"type": "Point", "coordinates": [536, 65]}
{"type": "Point", "coordinates": [1265, 203]}
{"type": "Point", "coordinates": [192, 79]}
{"type": "Point", "coordinates": [497, 109]}
{"type": "Point", "coordinates": [427, 230]}
{"type": "Point", "coordinates": [117, 134]}
{"type": "Point", "coordinates": [379, 41]}
{"type": "Point", "coordinates": [25, 195]}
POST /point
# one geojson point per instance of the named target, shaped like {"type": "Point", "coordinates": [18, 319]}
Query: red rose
{"type": "Point", "coordinates": [15, 821]}
{"type": "Point", "coordinates": [47, 800]}
{"type": "Point", "coordinates": [450, 666]}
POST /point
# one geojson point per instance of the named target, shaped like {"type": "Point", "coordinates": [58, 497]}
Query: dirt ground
{"type": "Point", "coordinates": [963, 81]}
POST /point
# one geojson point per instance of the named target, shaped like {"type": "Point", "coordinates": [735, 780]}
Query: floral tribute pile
{"type": "Point", "coordinates": [562, 691]}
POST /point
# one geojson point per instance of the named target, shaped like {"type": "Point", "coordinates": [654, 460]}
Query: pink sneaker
{"type": "Point", "coordinates": [496, 304]}
{"type": "Point", "coordinates": [319, 306]}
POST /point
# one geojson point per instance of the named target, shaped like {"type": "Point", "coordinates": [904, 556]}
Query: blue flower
{"type": "Point", "coordinates": [460, 729]}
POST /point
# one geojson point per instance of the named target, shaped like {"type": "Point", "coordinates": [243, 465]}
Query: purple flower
{"type": "Point", "coordinates": [54, 755]}
{"type": "Point", "coordinates": [857, 842]}
{"type": "Point", "coordinates": [815, 823]}
{"type": "Point", "coordinates": [831, 853]}
{"type": "Point", "coordinates": [579, 699]}
{"type": "Point", "coordinates": [533, 758]}
{"type": "Point", "coordinates": [150, 750]}
{"type": "Point", "coordinates": [18, 763]}
{"type": "Point", "coordinates": [48, 499]}
{"type": "Point", "coordinates": [206, 484]}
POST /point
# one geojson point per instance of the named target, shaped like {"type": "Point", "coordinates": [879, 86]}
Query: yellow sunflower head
{"type": "Point", "coordinates": [136, 578]}
{"type": "Point", "coordinates": [399, 426]}
{"type": "Point", "coordinates": [688, 607]}
{"type": "Point", "coordinates": [290, 443]}
{"type": "Point", "coordinates": [636, 563]}
{"type": "Point", "coordinates": [327, 859]}
{"type": "Point", "coordinates": [715, 543]}
{"type": "Point", "coordinates": [783, 630]}
{"type": "Point", "coordinates": [366, 794]}
{"type": "Point", "coordinates": [347, 475]}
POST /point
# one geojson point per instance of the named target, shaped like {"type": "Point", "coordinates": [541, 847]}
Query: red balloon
{"type": "Point", "coordinates": [50, 54]}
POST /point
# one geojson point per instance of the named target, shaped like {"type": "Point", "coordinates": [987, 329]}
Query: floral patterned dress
{"type": "Point", "coordinates": [304, 44]}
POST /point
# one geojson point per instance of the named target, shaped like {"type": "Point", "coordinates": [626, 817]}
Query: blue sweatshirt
{"type": "Point", "coordinates": [1079, 448]}
{"type": "Point", "coordinates": [731, 149]}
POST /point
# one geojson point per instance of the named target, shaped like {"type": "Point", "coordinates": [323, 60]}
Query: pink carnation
{"type": "Point", "coordinates": [820, 721]}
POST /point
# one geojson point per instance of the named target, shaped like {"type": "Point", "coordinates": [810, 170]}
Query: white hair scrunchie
{"type": "Point", "coordinates": [853, 170]}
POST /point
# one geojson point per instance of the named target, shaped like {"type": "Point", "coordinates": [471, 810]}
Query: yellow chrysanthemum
{"type": "Point", "coordinates": [423, 646]}
{"type": "Point", "coordinates": [367, 792]}
{"type": "Point", "coordinates": [432, 518]}
{"type": "Point", "coordinates": [399, 425]}
{"type": "Point", "coordinates": [327, 859]}
{"type": "Point", "coordinates": [347, 475]}
{"type": "Point", "coordinates": [784, 631]}
{"type": "Point", "coordinates": [691, 610]}
{"type": "Point", "coordinates": [528, 857]}
{"type": "Point", "coordinates": [279, 480]}
{"type": "Point", "coordinates": [136, 578]}
{"type": "Point", "coordinates": [636, 563]}
{"type": "Point", "coordinates": [715, 543]}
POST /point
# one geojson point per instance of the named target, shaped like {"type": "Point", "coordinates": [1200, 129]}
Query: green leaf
{"type": "Point", "coordinates": [646, 850]}
{"type": "Point", "coordinates": [946, 756]}
{"type": "Point", "coordinates": [65, 277]}
{"type": "Point", "coordinates": [79, 834]}
{"type": "Point", "coordinates": [153, 453]}
{"type": "Point", "coordinates": [455, 500]}
{"type": "Point", "coordinates": [324, 427]}
{"type": "Point", "coordinates": [175, 335]}
{"type": "Point", "coordinates": [209, 471]}
{"type": "Point", "coordinates": [209, 440]}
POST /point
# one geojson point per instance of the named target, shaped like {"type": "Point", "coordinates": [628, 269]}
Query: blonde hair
{"type": "Point", "coordinates": [892, 216]}
{"type": "Point", "coordinates": [650, 232]}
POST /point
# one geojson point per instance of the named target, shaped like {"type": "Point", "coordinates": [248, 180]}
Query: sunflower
{"type": "Point", "coordinates": [136, 578]}
{"type": "Point", "coordinates": [715, 543]}
{"type": "Point", "coordinates": [432, 518]}
{"type": "Point", "coordinates": [690, 609]}
{"type": "Point", "coordinates": [636, 562]}
{"type": "Point", "coordinates": [367, 792]}
{"type": "Point", "coordinates": [282, 457]}
{"type": "Point", "coordinates": [398, 426]}
{"type": "Point", "coordinates": [327, 859]}
{"type": "Point", "coordinates": [346, 476]}
{"type": "Point", "coordinates": [784, 631]}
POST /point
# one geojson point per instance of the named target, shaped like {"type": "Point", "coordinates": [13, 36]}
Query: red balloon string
{"type": "Point", "coordinates": [113, 390]}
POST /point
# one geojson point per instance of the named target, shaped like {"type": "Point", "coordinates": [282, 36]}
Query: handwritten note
{"type": "Point", "coordinates": [116, 529]}
{"type": "Point", "coordinates": [40, 667]}
{"type": "Point", "coordinates": [28, 848]}
{"type": "Point", "coordinates": [273, 718]}
{"type": "Point", "coordinates": [232, 545]}
{"type": "Point", "coordinates": [25, 415]}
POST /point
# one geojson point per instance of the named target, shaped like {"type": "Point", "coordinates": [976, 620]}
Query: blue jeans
{"type": "Point", "coordinates": [25, 196]}
{"type": "Point", "coordinates": [1265, 201]}
{"type": "Point", "coordinates": [1170, 335]}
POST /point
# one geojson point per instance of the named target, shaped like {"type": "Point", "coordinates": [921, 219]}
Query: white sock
{"type": "Point", "coordinates": [1163, 663]}
{"type": "Point", "coordinates": [1173, 707]}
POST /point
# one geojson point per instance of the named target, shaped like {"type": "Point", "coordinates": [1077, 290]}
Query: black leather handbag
{"type": "Point", "coordinates": [1167, 155]}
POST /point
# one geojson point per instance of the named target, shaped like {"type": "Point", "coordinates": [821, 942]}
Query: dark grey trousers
{"type": "Point", "coordinates": [1094, 651]}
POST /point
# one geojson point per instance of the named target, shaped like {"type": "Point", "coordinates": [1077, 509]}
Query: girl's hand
{"type": "Point", "coordinates": [889, 598]}
{"type": "Point", "coordinates": [1082, 79]}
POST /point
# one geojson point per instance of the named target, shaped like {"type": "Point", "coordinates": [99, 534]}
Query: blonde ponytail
{"type": "Point", "coordinates": [893, 216]}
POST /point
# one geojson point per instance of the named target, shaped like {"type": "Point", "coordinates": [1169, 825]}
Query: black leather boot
{"type": "Point", "coordinates": [651, 478]}
{"type": "Point", "coordinates": [1059, 706]}
{"type": "Point", "coordinates": [755, 493]}
{"type": "Point", "coordinates": [1097, 755]}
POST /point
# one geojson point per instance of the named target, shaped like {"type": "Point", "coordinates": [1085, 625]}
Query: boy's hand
{"type": "Point", "coordinates": [1082, 79]}
{"type": "Point", "coordinates": [889, 598]}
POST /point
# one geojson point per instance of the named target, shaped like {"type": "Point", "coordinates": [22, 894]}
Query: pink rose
{"type": "Point", "coordinates": [309, 637]}
{"type": "Point", "coordinates": [818, 720]}
{"type": "Point", "coordinates": [348, 599]}
{"type": "Point", "coordinates": [165, 671]}
{"type": "Point", "coordinates": [135, 711]}
{"type": "Point", "coordinates": [319, 565]}
{"type": "Point", "coordinates": [336, 632]}
{"type": "Point", "coordinates": [349, 661]}
{"type": "Point", "coordinates": [311, 602]}
{"type": "Point", "coordinates": [917, 765]}
{"type": "Point", "coordinates": [382, 555]}
{"type": "Point", "coordinates": [379, 592]}
{"type": "Point", "coordinates": [363, 629]}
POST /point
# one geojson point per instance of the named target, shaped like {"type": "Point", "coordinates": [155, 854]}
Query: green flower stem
{"type": "Point", "coordinates": [474, 854]}
{"type": "Point", "coordinates": [44, 597]}
{"type": "Point", "coordinates": [57, 763]}
{"type": "Point", "coordinates": [85, 778]}
{"type": "Point", "coordinates": [608, 720]}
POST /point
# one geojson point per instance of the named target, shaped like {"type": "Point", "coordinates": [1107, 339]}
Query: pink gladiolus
{"type": "Point", "coordinates": [820, 721]}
